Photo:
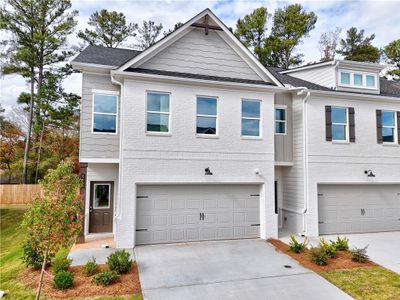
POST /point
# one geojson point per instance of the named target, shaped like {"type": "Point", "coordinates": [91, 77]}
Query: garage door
{"type": "Point", "coordinates": [180, 213]}
{"type": "Point", "coordinates": [358, 208]}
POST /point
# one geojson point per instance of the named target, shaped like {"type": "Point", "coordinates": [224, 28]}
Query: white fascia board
{"type": "Point", "coordinates": [180, 80]}
{"type": "Point", "coordinates": [328, 63]}
{"type": "Point", "coordinates": [340, 95]}
{"type": "Point", "coordinates": [364, 65]}
{"type": "Point", "coordinates": [99, 160]}
{"type": "Point", "coordinates": [92, 68]}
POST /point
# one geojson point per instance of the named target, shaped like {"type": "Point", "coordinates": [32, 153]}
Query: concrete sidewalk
{"type": "Point", "coordinates": [242, 269]}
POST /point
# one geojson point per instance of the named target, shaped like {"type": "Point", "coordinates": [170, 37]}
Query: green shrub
{"type": "Point", "coordinates": [360, 255]}
{"type": "Point", "coordinates": [61, 262]}
{"type": "Point", "coordinates": [105, 278]}
{"type": "Point", "coordinates": [318, 256]}
{"type": "Point", "coordinates": [90, 268]}
{"type": "Point", "coordinates": [63, 280]}
{"type": "Point", "coordinates": [328, 248]}
{"type": "Point", "coordinates": [297, 247]}
{"type": "Point", "coordinates": [120, 262]}
{"type": "Point", "coordinates": [341, 244]}
{"type": "Point", "coordinates": [32, 258]}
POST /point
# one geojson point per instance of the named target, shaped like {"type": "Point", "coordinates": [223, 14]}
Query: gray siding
{"type": "Point", "coordinates": [201, 54]}
{"type": "Point", "coordinates": [284, 143]}
{"type": "Point", "coordinates": [96, 145]}
{"type": "Point", "coordinates": [324, 75]}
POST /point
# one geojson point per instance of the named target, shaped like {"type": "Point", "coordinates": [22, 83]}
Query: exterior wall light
{"type": "Point", "coordinates": [207, 171]}
{"type": "Point", "coordinates": [369, 173]}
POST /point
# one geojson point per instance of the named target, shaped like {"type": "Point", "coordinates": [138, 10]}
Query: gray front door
{"type": "Point", "coordinates": [358, 208]}
{"type": "Point", "coordinates": [181, 213]}
{"type": "Point", "coordinates": [101, 206]}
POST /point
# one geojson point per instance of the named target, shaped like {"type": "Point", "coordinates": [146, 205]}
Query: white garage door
{"type": "Point", "coordinates": [180, 213]}
{"type": "Point", "coordinates": [358, 208]}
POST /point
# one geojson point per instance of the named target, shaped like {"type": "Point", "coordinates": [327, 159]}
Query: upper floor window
{"type": "Point", "coordinates": [206, 116]}
{"type": "Point", "coordinates": [251, 118]}
{"type": "Point", "coordinates": [280, 120]}
{"type": "Point", "coordinates": [389, 126]}
{"type": "Point", "coordinates": [340, 127]}
{"type": "Point", "coordinates": [358, 79]}
{"type": "Point", "coordinates": [105, 113]}
{"type": "Point", "coordinates": [158, 112]}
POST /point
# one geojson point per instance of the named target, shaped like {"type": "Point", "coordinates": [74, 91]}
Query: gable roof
{"type": "Point", "coordinates": [113, 57]}
{"type": "Point", "coordinates": [245, 53]}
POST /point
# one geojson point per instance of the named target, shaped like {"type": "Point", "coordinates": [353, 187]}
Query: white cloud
{"type": "Point", "coordinates": [379, 17]}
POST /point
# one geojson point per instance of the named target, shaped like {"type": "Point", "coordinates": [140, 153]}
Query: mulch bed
{"type": "Point", "coordinates": [341, 261]}
{"type": "Point", "coordinates": [83, 287]}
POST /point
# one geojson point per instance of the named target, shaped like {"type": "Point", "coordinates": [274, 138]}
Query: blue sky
{"type": "Point", "coordinates": [379, 17]}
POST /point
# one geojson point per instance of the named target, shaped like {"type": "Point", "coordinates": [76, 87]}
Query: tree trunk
{"type": "Point", "coordinates": [39, 152]}
{"type": "Point", "coordinates": [29, 131]}
{"type": "Point", "coordinates": [39, 289]}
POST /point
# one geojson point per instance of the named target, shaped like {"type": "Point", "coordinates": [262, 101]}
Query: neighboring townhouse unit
{"type": "Point", "coordinates": [193, 139]}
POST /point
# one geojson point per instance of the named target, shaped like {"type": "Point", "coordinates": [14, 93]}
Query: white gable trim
{"type": "Point", "coordinates": [229, 38]}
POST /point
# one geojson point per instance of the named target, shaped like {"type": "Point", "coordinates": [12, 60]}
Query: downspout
{"type": "Point", "coordinates": [121, 137]}
{"type": "Point", "coordinates": [304, 211]}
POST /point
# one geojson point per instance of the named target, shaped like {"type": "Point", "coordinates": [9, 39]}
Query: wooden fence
{"type": "Point", "coordinates": [18, 194]}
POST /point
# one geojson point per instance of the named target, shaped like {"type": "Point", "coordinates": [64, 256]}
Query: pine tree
{"type": "Point", "coordinates": [392, 53]}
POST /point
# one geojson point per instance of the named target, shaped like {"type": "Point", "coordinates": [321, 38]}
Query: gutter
{"type": "Point", "coordinates": [304, 210]}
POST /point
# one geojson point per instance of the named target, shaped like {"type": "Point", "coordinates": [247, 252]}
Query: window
{"type": "Point", "coordinates": [339, 124]}
{"type": "Point", "coordinates": [157, 112]}
{"type": "Point", "coordinates": [280, 120]}
{"type": "Point", "coordinates": [104, 113]}
{"type": "Point", "coordinates": [358, 79]}
{"type": "Point", "coordinates": [101, 196]}
{"type": "Point", "coordinates": [345, 77]}
{"type": "Point", "coordinates": [251, 118]}
{"type": "Point", "coordinates": [206, 118]}
{"type": "Point", "coordinates": [389, 126]}
{"type": "Point", "coordinates": [370, 80]}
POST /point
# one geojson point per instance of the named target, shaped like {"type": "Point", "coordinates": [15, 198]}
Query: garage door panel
{"type": "Point", "coordinates": [358, 208]}
{"type": "Point", "coordinates": [172, 213]}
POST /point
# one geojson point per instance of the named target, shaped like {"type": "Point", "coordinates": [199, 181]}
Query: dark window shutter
{"type": "Point", "coordinates": [352, 125]}
{"type": "Point", "coordinates": [379, 126]}
{"type": "Point", "coordinates": [398, 127]}
{"type": "Point", "coordinates": [328, 123]}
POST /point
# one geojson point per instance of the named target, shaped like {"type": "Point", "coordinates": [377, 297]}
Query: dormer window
{"type": "Point", "coordinates": [357, 79]}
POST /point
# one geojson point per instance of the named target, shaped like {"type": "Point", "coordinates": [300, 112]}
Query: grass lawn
{"type": "Point", "coordinates": [11, 264]}
{"type": "Point", "coordinates": [366, 283]}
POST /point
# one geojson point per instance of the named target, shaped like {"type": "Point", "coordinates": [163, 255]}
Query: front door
{"type": "Point", "coordinates": [101, 206]}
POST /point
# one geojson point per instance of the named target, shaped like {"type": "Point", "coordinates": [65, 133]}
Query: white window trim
{"type": "Point", "coordinates": [347, 140]}
{"type": "Point", "coordinates": [105, 93]}
{"type": "Point", "coordinates": [284, 107]}
{"type": "Point", "coordinates": [396, 138]}
{"type": "Point", "coordinates": [216, 135]}
{"type": "Point", "coordinates": [94, 195]}
{"type": "Point", "coordinates": [364, 79]}
{"type": "Point", "coordinates": [260, 133]}
{"type": "Point", "coordinates": [159, 133]}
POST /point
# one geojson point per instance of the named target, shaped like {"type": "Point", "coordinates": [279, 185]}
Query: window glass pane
{"type": "Point", "coordinates": [157, 122]}
{"type": "Point", "coordinates": [206, 106]}
{"type": "Point", "coordinates": [358, 79]}
{"type": "Point", "coordinates": [339, 115]}
{"type": "Point", "coordinates": [345, 78]}
{"type": "Point", "coordinates": [370, 80]}
{"type": "Point", "coordinates": [339, 132]}
{"type": "Point", "coordinates": [250, 127]}
{"type": "Point", "coordinates": [388, 118]}
{"type": "Point", "coordinates": [280, 114]}
{"type": "Point", "coordinates": [105, 104]}
{"type": "Point", "coordinates": [206, 125]}
{"type": "Point", "coordinates": [280, 127]}
{"type": "Point", "coordinates": [250, 109]}
{"type": "Point", "coordinates": [104, 123]}
{"type": "Point", "coordinates": [101, 196]}
{"type": "Point", "coordinates": [388, 135]}
{"type": "Point", "coordinates": [158, 102]}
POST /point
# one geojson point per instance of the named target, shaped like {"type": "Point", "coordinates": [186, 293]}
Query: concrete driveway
{"type": "Point", "coordinates": [242, 269]}
{"type": "Point", "coordinates": [383, 247]}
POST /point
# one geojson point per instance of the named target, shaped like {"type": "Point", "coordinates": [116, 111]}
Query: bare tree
{"type": "Point", "coordinates": [328, 43]}
{"type": "Point", "coordinates": [148, 34]}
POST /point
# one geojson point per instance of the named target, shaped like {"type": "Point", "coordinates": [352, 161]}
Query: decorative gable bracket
{"type": "Point", "coordinates": [206, 25]}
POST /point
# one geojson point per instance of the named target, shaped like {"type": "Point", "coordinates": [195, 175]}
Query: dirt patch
{"type": "Point", "coordinates": [83, 287]}
{"type": "Point", "coordinates": [341, 261]}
